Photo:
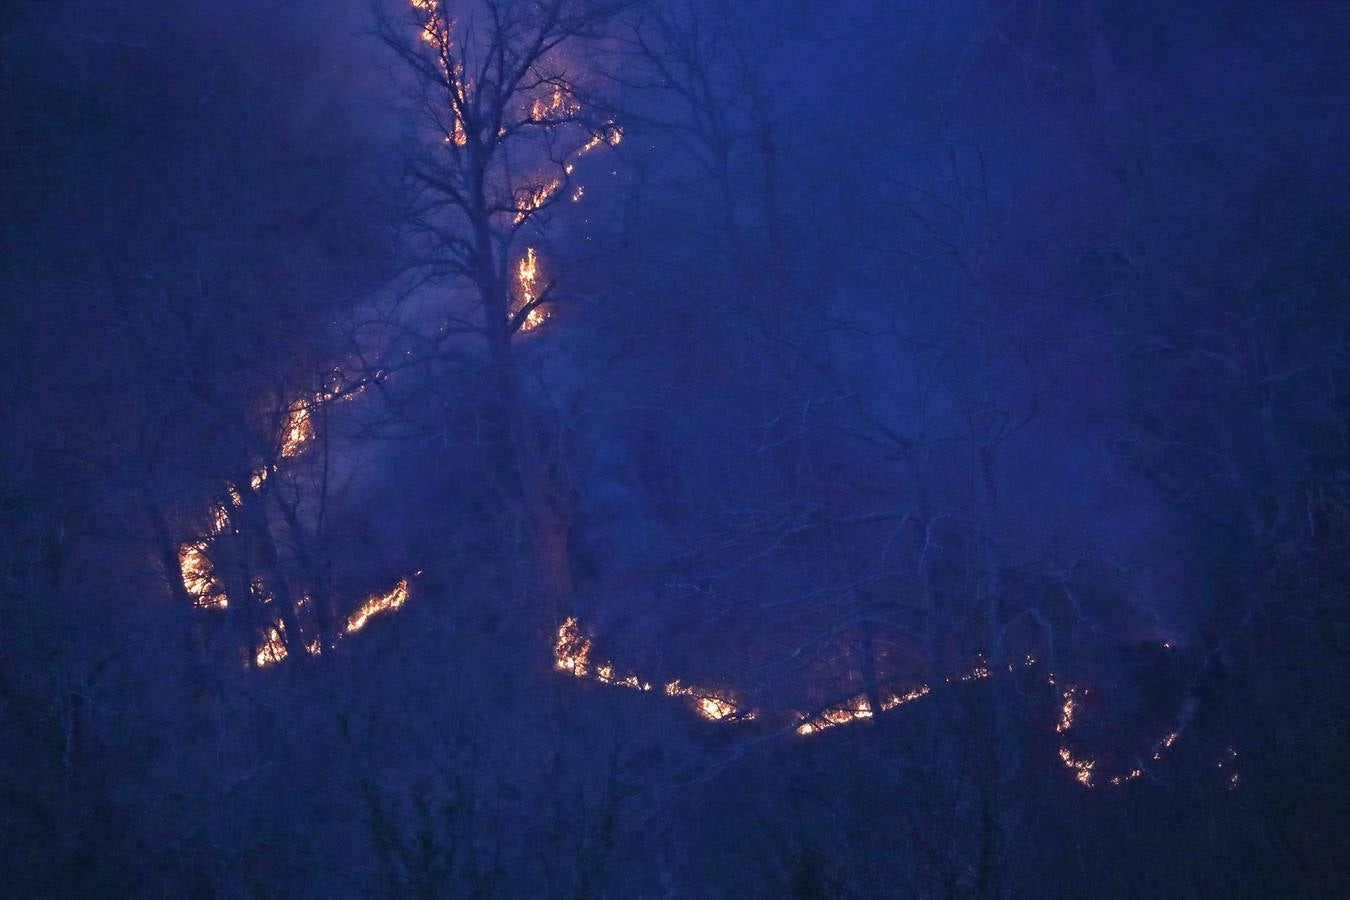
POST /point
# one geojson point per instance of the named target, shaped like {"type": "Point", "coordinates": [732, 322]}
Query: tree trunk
{"type": "Point", "coordinates": [547, 508]}
{"type": "Point", "coordinates": [167, 551]}
{"type": "Point", "coordinates": [259, 534]}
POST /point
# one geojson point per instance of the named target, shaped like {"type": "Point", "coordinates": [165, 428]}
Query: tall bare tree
{"type": "Point", "coordinates": [502, 132]}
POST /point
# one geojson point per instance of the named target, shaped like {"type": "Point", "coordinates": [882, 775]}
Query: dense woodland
{"type": "Point", "coordinates": [671, 448]}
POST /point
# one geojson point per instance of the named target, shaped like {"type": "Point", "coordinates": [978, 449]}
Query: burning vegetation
{"type": "Point", "coordinates": [572, 652]}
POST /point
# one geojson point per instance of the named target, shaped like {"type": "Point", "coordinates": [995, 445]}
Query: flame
{"type": "Point", "coordinates": [527, 274]}
{"type": "Point", "coordinates": [435, 30]}
{"type": "Point", "coordinates": [199, 576]}
{"type": "Point", "coordinates": [605, 675]}
{"type": "Point", "coordinates": [560, 106]}
{"type": "Point", "coordinates": [708, 704]}
{"type": "Point", "coordinates": [895, 700]}
{"type": "Point", "coordinates": [1068, 711]}
{"type": "Point", "coordinates": [572, 654]}
{"type": "Point", "coordinates": [850, 711]}
{"type": "Point", "coordinates": [297, 431]}
{"type": "Point", "coordinates": [273, 649]}
{"type": "Point", "coordinates": [978, 672]}
{"type": "Point", "coordinates": [1082, 767]}
{"type": "Point", "coordinates": [536, 196]}
{"type": "Point", "coordinates": [391, 599]}
{"type": "Point", "coordinates": [856, 709]}
{"type": "Point", "coordinates": [571, 649]}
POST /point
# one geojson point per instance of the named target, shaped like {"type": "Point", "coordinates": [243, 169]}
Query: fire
{"type": "Point", "coordinates": [392, 599]}
{"type": "Point", "coordinates": [856, 709]}
{"type": "Point", "coordinates": [1067, 714]}
{"type": "Point", "coordinates": [199, 576]}
{"type": "Point", "coordinates": [605, 675]}
{"type": "Point", "coordinates": [435, 31]}
{"type": "Point", "coordinates": [535, 197]}
{"type": "Point", "coordinates": [572, 654]}
{"type": "Point", "coordinates": [297, 431]}
{"type": "Point", "coordinates": [1067, 711]}
{"type": "Point", "coordinates": [560, 106]}
{"type": "Point", "coordinates": [527, 275]}
{"type": "Point", "coordinates": [273, 649]}
{"type": "Point", "coordinates": [978, 672]}
{"type": "Point", "coordinates": [709, 704]}
{"type": "Point", "coordinates": [850, 711]}
{"type": "Point", "coordinates": [895, 700]}
{"type": "Point", "coordinates": [193, 559]}
{"type": "Point", "coordinates": [1082, 767]}
{"type": "Point", "coordinates": [571, 649]}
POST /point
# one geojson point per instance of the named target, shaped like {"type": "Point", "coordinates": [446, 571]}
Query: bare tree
{"type": "Point", "coordinates": [503, 132]}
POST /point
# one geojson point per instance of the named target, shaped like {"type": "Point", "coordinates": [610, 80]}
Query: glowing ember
{"type": "Point", "coordinates": [1165, 744]}
{"type": "Point", "coordinates": [978, 672]}
{"type": "Point", "coordinates": [392, 599]}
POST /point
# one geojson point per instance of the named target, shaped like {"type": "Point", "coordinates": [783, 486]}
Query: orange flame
{"type": "Point", "coordinates": [391, 599]}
